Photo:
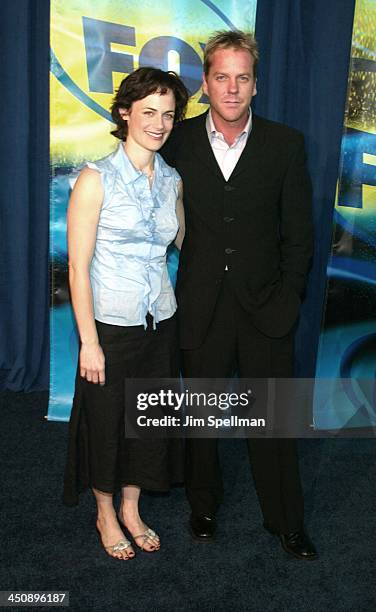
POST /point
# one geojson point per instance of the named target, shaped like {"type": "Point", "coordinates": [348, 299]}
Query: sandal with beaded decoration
{"type": "Point", "coordinates": [120, 546]}
{"type": "Point", "coordinates": [148, 535]}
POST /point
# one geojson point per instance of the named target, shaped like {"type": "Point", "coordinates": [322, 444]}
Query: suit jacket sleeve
{"type": "Point", "coordinates": [171, 146]}
{"type": "Point", "coordinates": [296, 233]}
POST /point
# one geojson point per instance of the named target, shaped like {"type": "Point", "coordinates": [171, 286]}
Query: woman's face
{"type": "Point", "coordinates": [150, 120]}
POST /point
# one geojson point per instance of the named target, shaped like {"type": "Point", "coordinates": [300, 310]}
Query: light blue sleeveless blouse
{"type": "Point", "coordinates": [128, 272]}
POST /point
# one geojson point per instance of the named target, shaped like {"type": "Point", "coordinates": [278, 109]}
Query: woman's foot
{"type": "Point", "coordinates": [112, 538]}
{"type": "Point", "coordinates": [144, 537]}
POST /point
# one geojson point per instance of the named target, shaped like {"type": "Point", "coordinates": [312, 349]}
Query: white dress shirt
{"type": "Point", "coordinates": [227, 156]}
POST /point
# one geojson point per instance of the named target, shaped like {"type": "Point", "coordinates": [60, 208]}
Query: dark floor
{"type": "Point", "coordinates": [46, 546]}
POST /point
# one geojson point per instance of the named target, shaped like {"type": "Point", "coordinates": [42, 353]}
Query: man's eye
{"type": "Point", "coordinates": [244, 79]}
{"type": "Point", "coordinates": [220, 77]}
{"type": "Point", "coordinates": [169, 116]}
{"type": "Point", "coordinates": [148, 113]}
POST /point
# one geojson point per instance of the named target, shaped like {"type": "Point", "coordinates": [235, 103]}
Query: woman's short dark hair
{"type": "Point", "coordinates": [140, 84]}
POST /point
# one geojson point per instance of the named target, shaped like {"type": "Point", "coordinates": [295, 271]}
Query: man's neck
{"type": "Point", "coordinates": [230, 129]}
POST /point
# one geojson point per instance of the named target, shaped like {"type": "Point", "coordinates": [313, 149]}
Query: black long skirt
{"type": "Point", "coordinates": [99, 454]}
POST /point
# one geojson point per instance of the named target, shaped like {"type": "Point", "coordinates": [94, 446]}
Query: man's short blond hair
{"type": "Point", "coordinates": [231, 39]}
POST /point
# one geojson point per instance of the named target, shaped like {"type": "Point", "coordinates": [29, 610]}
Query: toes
{"type": "Point", "coordinates": [150, 545]}
{"type": "Point", "coordinates": [123, 555]}
{"type": "Point", "coordinates": [155, 541]}
{"type": "Point", "coordinates": [114, 553]}
{"type": "Point", "coordinates": [129, 553]}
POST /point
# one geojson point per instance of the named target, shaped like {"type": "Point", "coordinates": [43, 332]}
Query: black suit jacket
{"type": "Point", "coordinates": [258, 223]}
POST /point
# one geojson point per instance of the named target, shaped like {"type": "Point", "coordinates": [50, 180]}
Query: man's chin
{"type": "Point", "coordinates": [234, 115]}
{"type": "Point", "coordinates": [232, 118]}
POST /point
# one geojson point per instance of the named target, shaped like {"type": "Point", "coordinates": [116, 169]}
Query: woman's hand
{"type": "Point", "coordinates": [92, 363]}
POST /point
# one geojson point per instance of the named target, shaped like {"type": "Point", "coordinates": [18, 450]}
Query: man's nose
{"type": "Point", "coordinates": [232, 85]}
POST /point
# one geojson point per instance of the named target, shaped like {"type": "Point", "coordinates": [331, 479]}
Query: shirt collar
{"type": "Point", "coordinates": [213, 133]}
{"type": "Point", "coordinates": [129, 173]}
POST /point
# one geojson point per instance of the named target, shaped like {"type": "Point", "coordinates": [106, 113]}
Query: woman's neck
{"type": "Point", "coordinates": [141, 158]}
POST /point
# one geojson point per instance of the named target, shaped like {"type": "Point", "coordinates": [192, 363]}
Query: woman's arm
{"type": "Point", "coordinates": [83, 214]}
{"type": "Point", "coordinates": [180, 215]}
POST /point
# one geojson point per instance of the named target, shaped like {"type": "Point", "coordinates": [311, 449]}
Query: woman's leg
{"type": "Point", "coordinates": [109, 528]}
{"type": "Point", "coordinates": [156, 356]}
{"type": "Point", "coordinates": [130, 517]}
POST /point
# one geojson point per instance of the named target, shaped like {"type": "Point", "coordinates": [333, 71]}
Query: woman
{"type": "Point", "coordinates": [124, 211]}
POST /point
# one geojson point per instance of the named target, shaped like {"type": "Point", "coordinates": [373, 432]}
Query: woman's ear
{"type": "Point", "coordinates": [124, 113]}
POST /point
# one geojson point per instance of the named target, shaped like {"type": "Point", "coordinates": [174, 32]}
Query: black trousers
{"type": "Point", "coordinates": [234, 344]}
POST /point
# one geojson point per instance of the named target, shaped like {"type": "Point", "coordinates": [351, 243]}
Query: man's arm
{"type": "Point", "coordinates": [296, 231]}
{"type": "Point", "coordinates": [181, 217]}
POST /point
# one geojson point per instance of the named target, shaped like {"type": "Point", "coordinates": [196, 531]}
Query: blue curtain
{"type": "Point", "coordinates": [24, 206]}
{"type": "Point", "coordinates": [305, 52]}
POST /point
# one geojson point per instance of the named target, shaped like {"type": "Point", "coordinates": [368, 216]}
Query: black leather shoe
{"type": "Point", "coordinates": [296, 544]}
{"type": "Point", "coordinates": [202, 528]}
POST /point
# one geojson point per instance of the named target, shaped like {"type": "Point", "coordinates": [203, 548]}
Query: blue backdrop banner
{"type": "Point", "coordinates": [347, 349]}
{"type": "Point", "coordinates": [94, 44]}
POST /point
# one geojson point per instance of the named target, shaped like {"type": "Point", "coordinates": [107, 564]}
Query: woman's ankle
{"type": "Point", "coordinates": [129, 511]}
{"type": "Point", "coordinates": [106, 515]}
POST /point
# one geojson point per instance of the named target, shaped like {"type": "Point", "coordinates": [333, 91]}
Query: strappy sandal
{"type": "Point", "coordinates": [148, 535]}
{"type": "Point", "coordinates": [121, 545]}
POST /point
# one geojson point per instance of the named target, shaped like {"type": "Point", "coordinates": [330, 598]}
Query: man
{"type": "Point", "coordinates": [242, 271]}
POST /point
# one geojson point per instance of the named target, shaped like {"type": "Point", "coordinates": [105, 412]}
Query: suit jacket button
{"type": "Point", "coordinates": [229, 187]}
{"type": "Point", "coordinates": [228, 251]}
{"type": "Point", "coordinates": [228, 219]}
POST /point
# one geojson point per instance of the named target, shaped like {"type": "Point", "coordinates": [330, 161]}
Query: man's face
{"type": "Point", "coordinates": [230, 85]}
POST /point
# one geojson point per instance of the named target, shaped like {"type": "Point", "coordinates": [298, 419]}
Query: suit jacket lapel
{"type": "Point", "coordinates": [202, 147]}
{"type": "Point", "coordinates": [252, 151]}
{"type": "Point", "coordinates": [250, 154]}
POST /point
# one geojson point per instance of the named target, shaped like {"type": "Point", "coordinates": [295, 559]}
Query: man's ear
{"type": "Point", "coordinates": [204, 84]}
{"type": "Point", "coordinates": [254, 88]}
